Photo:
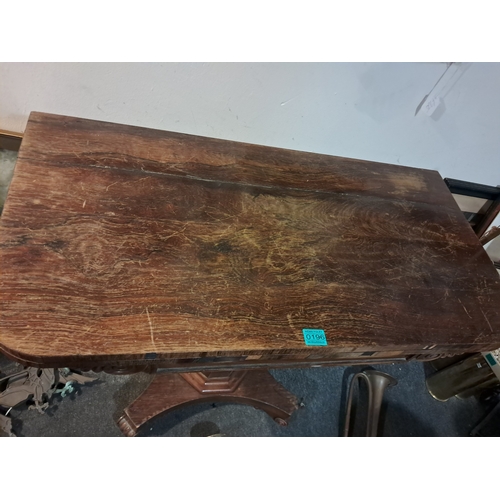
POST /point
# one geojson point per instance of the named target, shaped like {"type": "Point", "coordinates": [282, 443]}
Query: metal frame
{"type": "Point", "coordinates": [479, 222]}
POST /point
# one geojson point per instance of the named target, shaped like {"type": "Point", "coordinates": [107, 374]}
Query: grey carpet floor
{"type": "Point", "coordinates": [409, 410]}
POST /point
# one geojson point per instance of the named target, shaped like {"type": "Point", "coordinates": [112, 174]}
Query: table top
{"type": "Point", "coordinates": [121, 243]}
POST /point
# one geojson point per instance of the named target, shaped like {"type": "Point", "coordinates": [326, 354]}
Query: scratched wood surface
{"type": "Point", "coordinates": [121, 244]}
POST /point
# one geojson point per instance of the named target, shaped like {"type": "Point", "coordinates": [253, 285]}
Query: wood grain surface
{"type": "Point", "coordinates": [171, 391]}
{"type": "Point", "coordinates": [121, 244]}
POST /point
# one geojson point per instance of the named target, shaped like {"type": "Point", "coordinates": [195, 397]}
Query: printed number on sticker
{"type": "Point", "coordinates": [314, 337]}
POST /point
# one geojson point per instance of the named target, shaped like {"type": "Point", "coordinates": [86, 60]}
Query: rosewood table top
{"type": "Point", "coordinates": [122, 245]}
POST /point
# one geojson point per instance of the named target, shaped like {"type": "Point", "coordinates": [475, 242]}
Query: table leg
{"type": "Point", "coordinates": [171, 391]}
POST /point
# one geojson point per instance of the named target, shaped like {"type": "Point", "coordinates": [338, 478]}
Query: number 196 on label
{"type": "Point", "coordinates": [314, 337]}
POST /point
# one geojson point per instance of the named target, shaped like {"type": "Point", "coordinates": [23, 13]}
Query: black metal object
{"type": "Point", "coordinates": [480, 221]}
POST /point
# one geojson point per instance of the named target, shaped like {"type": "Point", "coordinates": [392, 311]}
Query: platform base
{"type": "Point", "coordinates": [170, 391]}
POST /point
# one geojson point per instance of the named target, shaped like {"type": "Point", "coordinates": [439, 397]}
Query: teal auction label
{"type": "Point", "coordinates": [490, 359]}
{"type": "Point", "coordinates": [314, 337]}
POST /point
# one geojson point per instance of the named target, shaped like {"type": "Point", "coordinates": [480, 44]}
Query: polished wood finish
{"type": "Point", "coordinates": [171, 391]}
{"type": "Point", "coordinates": [214, 382]}
{"type": "Point", "coordinates": [490, 235]}
{"type": "Point", "coordinates": [123, 246]}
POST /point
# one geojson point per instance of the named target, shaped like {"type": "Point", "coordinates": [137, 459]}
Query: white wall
{"type": "Point", "coordinates": [363, 110]}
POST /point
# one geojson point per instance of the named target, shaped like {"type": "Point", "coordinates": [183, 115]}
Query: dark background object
{"type": "Point", "coordinates": [10, 140]}
{"type": "Point", "coordinates": [490, 196]}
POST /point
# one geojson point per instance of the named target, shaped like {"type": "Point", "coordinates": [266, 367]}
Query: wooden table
{"type": "Point", "coordinates": [127, 249]}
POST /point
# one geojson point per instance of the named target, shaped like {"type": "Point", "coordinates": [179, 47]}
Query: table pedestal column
{"type": "Point", "coordinates": [171, 391]}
